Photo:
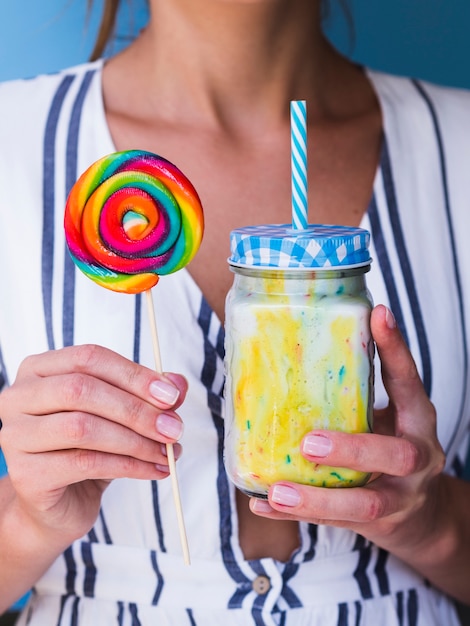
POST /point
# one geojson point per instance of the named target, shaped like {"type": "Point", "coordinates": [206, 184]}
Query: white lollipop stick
{"type": "Point", "coordinates": [169, 446]}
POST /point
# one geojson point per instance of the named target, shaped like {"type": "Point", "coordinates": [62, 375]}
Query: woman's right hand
{"type": "Point", "coordinates": [75, 419]}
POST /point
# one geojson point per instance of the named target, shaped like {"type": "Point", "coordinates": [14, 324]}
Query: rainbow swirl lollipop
{"type": "Point", "coordinates": [131, 217]}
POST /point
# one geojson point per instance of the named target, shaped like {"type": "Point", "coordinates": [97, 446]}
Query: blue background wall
{"type": "Point", "coordinates": [48, 35]}
{"type": "Point", "coordinates": [428, 39]}
{"type": "Point", "coordinates": [424, 39]}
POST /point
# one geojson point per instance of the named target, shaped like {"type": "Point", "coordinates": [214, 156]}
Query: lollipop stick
{"type": "Point", "coordinates": [169, 446]}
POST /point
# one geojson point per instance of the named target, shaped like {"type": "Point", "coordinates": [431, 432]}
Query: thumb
{"type": "Point", "coordinates": [399, 373]}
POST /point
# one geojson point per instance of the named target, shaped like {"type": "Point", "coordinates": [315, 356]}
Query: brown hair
{"type": "Point", "coordinates": [107, 26]}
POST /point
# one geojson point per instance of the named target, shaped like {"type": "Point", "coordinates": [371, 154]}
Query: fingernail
{"type": "Point", "coordinates": [390, 319]}
{"type": "Point", "coordinates": [163, 391]}
{"type": "Point", "coordinates": [162, 468]}
{"type": "Point", "coordinates": [177, 450]}
{"type": "Point", "coordinates": [261, 506]}
{"type": "Point", "coordinates": [282, 494]}
{"type": "Point", "coordinates": [169, 426]}
{"type": "Point", "coordinates": [316, 445]}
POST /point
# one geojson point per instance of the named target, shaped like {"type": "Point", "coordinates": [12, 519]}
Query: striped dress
{"type": "Point", "coordinates": [128, 570]}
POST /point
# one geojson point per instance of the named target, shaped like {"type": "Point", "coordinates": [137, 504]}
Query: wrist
{"type": "Point", "coordinates": [28, 530]}
{"type": "Point", "coordinates": [22, 540]}
{"type": "Point", "coordinates": [441, 531]}
{"type": "Point", "coordinates": [442, 555]}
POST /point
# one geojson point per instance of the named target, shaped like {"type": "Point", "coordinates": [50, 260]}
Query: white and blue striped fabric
{"type": "Point", "coordinates": [128, 571]}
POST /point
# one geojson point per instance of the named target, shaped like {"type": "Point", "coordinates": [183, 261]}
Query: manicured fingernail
{"type": "Point", "coordinates": [390, 319]}
{"type": "Point", "coordinates": [177, 450]}
{"type": "Point", "coordinates": [316, 445]}
{"type": "Point", "coordinates": [261, 506]}
{"type": "Point", "coordinates": [282, 494]}
{"type": "Point", "coordinates": [163, 391]}
{"type": "Point", "coordinates": [162, 468]}
{"type": "Point", "coordinates": [169, 426]}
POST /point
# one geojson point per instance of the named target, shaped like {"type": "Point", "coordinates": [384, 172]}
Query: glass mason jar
{"type": "Point", "coordinates": [298, 351]}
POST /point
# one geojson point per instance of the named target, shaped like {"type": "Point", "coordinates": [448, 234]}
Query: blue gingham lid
{"type": "Point", "coordinates": [319, 246]}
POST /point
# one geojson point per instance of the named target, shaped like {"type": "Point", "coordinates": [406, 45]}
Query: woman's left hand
{"type": "Point", "coordinates": [400, 508]}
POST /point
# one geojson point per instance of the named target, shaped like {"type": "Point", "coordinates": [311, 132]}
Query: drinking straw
{"type": "Point", "coordinates": [298, 122]}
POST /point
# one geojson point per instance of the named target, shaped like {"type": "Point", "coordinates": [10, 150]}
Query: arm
{"type": "Point", "coordinates": [22, 562]}
{"type": "Point", "coordinates": [74, 420]}
{"type": "Point", "coordinates": [409, 507]}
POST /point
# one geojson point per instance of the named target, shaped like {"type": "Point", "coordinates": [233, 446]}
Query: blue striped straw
{"type": "Point", "coordinates": [298, 124]}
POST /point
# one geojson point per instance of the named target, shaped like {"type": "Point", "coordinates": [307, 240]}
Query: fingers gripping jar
{"type": "Point", "coordinates": [298, 351]}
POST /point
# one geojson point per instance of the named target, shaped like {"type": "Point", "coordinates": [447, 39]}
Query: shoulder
{"type": "Point", "coordinates": [38, 121]}
{"type": "Point", "coordinates": [427, 132]}
{"type": "Point", "coordinates": [26, 104]}
{"type": "Point", "coordinates": [421, 118]}
{"type": "Point", "coordinates": [14, 91]}
{"type": "Point", "coordinates": [417, 105]}
{"type": "Point", "coordinates": [402, 90]}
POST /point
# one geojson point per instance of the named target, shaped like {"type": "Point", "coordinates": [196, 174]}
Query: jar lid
{"type": "Point", "coordinates": [319, 246]}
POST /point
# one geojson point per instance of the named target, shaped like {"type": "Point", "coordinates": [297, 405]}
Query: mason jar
{"type": "Point", "coordinates": [298, 351]}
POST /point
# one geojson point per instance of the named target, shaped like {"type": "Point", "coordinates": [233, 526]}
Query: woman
{"type": "Point", "coordinates": [207, 85]}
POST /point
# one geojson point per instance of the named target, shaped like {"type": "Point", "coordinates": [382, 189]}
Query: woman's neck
{"type": "Point", "coordinates": [234, 64]}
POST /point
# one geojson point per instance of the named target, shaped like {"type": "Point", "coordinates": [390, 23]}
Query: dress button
{"type": "Point", "coordinates": [261, 585]}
